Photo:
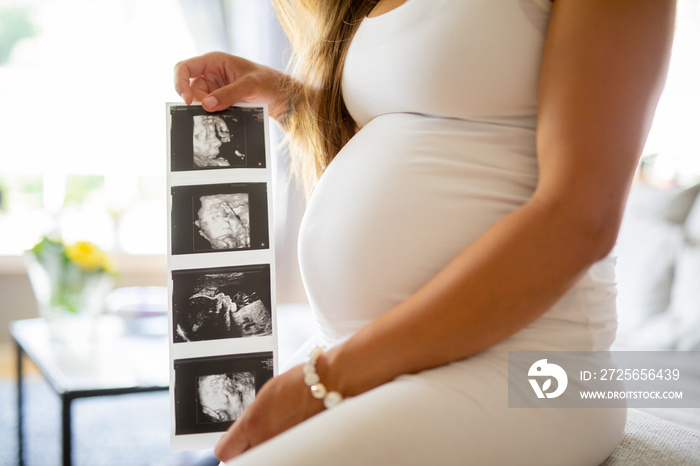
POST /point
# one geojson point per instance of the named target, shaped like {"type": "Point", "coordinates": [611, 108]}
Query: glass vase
{"type": "Point", "coordinates": [67, 297]}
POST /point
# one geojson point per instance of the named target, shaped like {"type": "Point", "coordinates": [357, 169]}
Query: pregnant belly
{"type": "Point", "coordinates": [401, 199]}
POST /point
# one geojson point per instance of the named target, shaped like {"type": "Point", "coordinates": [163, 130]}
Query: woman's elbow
{"type": "Point", "coordinates": [605, 241]}
{"type": "Point", "coordinates": [590, 231]}
{"type": "Point", "coordinates": [598, 232]}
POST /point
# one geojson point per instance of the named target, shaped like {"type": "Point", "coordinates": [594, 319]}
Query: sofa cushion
{"type": "Point", "coordinates": [691, 227]}
{"type": "Point", "coordinates": [651, 240]}
{"type": "Point", "coordinates": [667, 204]}
{"type": "Point", "coordinates": [649, 440]}
{"type": "Point", "coordinates": [684, 309]}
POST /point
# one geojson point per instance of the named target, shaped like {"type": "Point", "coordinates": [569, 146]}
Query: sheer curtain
{"type": "Point", "coordinates": [250, 29]}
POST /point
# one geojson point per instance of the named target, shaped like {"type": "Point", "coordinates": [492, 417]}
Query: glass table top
{"type": "Point", "coordinates": [114, 359]}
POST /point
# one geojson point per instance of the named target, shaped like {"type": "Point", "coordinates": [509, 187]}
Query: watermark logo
{"type": "Point", "coordinates": [603, 379]}
{"type": "Point", "coordinates": [543, 370]}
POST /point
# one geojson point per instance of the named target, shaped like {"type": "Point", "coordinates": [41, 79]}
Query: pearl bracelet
{"type": "Point", "coordinates": [313, 381]}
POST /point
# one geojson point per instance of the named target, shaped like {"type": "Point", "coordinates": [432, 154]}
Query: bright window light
{"type": "Point", "coordinates": [674, 141]}
{"type": "Point", "coordinates": [83, 85]}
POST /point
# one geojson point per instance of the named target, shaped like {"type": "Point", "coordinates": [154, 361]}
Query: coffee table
{"type": "Point", "coordinates": [113, 363]}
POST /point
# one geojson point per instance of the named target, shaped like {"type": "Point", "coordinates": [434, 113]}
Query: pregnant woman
{"type": "Point", "coordinates": [472, 158]}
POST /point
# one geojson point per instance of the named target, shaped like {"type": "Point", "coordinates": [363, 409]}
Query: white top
{"type": "Point", "coordinates": [403, 61]}
{"type": "Point", "coordinates": [446, 149]}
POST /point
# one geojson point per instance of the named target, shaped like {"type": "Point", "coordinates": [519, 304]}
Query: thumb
{"type": "Point", "coordinates": [232, 443]}
{"type": "Point", "coordinates": [211, 103]}
{"type": "Point", "coordinates": [244, 89]}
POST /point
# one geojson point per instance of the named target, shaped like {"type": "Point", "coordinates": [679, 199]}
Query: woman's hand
{"type": "Point", "coordinates": [282, 403]}
{"type": "Point", "coordinates": [219, 80]}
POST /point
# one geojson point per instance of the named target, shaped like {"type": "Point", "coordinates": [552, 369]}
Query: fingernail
{"type": "Point", "coordinates": [210, 102]}
{"type": "Point", "coordinates": [182, 96]}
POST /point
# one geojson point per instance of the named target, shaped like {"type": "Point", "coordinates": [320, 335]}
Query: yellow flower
{"type": "Point", "coordinates": [87, 256]}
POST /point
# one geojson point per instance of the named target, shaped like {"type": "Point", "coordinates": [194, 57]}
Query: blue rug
{"type": "Point", "coordinates": [120, 430]}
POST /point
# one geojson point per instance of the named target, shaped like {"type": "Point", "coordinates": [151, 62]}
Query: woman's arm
{"type": "Point", "coordinates": [603, 69]}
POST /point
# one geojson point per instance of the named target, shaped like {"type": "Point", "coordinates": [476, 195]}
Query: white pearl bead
{"type": "Point", "coordinates": [332, 399]}
{"type": "Point", "coordinates": [311, 379]}
{"type": "Point", "coordinates": [318, 351]}
{"type": "Point", "coordinates": [318, 391]}
{"type": "Point", "coordinates": [308, 368]}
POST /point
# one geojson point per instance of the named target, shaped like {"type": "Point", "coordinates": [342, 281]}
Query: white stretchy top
{"type": "Point", "coordinates": [445, 94]}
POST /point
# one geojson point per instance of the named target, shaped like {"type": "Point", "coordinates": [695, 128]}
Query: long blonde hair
{"type": "Point", "coordinates": [318, 124]}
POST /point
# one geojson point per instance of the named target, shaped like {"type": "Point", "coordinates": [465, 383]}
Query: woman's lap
{"type": "Point", "coordinates": [456, 414]}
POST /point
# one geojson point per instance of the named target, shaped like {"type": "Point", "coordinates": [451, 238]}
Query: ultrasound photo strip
{"type": "Point", "coordinates": [222, 306]}
{"type": "Point", "coordinates": [232, 138]}
{"type": "Point", "coordinates": [219, 303]}
{"type": "Point", "coordinates": [219, 217]}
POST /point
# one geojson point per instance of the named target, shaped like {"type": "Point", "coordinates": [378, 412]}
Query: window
{"type": "Point", "coordinates": [672, 151]}
{"type": "Point", "coordinates": [83, 85]}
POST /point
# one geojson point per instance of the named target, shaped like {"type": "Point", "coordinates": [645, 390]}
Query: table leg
{"type": "Point", "coordinates": [66, 429]}
{"type": "Point", "coordinates": [20, 450]}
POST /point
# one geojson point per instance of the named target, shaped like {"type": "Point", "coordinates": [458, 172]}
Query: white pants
{"type": "Point", "coordinates": [452, 415]}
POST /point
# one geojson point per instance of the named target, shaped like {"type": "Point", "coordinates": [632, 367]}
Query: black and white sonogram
{"type": "Point", "coordinates": [212, 392]}
{"type": "Point", "coordinates": [231, 138]}
{"type": "Point", "coordinates": [223, 397]}
{"type": "Point", "coordinates": [230, 302]}
{"type": "Point", "coordinates": [219, 217]}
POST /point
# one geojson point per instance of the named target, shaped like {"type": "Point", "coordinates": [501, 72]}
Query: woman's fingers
{"type": "Point", "coordinates": [234, 441]}
{"type": "Point", "coordinates": [244, 89]}
{"type": "Point", "coordinates": [219, 80]}
{"type": "Point", "coordinates": [283, 402]}
{"type": "Point", "coordinates": [182, 74]}
{"type": "Point", "coordinates": [202, 79]}
{"type": "Point", "coordinates": [213, 68]}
